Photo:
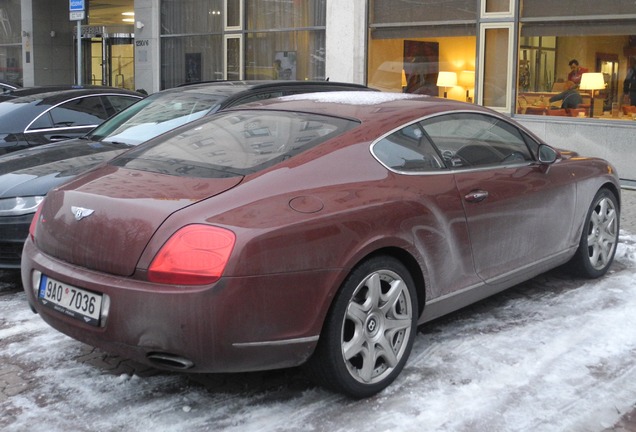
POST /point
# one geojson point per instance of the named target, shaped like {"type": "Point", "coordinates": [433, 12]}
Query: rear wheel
{"type": "Point", "coordinates": [369, 331]}
{"type": "Point", "coordinates": [599, 237]}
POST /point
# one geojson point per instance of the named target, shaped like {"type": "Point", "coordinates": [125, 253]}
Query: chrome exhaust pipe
{"type": "Point", "coordinates": [171, 361]}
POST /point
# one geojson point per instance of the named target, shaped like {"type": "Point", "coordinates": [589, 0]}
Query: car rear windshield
{"type": "Point", "coordinates": [234, 143]}
{"type": "Point", "coordinates": [155, 115]}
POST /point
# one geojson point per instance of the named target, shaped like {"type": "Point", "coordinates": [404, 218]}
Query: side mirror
{"type": "Point", "coordinates": [547, 155]}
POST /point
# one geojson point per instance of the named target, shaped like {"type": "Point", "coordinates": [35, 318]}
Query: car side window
{"type": "Point", "coordinates": [44, 121]}
{"type": "Point", "coordinates": [258, 96]}
{"type": "Point", "coordinates": [408, 150]}
{"type": "Point", "coordinates": [115, 103]}
{"type": "Point", "coordinates": [475, 140]}
{"type": "Point", "coordinates": [84, 111]}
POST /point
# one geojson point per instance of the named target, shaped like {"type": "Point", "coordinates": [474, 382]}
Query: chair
{"type": "Point", "coordinates": [557, 112]}
{"type": "Point", "coordinates": [629, 109]}
{"type": "Point", "coordinates": [586, 107]}
{"type": "Point", "coordinates": [536, 110]}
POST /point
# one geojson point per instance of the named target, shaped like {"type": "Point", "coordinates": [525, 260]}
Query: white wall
{"type": "Point", "coordinates": [612, 140]}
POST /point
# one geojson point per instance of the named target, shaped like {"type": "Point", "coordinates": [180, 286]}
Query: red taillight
{"type": "Point", "coordinates": [194, 255]}
{"type": "Point", "coordinates": [34, 222]}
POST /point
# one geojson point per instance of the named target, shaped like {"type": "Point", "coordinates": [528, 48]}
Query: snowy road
{"type": "Point", "coordinates": [553, 354]}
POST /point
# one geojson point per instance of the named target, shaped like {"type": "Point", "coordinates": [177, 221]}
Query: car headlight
{"type": "Point", "coordinates": [18, 206]}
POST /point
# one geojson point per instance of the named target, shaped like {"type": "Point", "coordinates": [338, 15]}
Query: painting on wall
{"type": "Point", "coordinates": [421, 66]}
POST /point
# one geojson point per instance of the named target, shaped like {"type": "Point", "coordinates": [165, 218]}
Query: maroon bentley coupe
{"type": "Point", "coordinates": [317, 229]}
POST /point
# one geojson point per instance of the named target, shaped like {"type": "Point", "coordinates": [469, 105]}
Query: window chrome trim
{"type": "Point", "coordinates": [26, 129]}
{"type": "Point", "coordinates": [451, 170]}
{"type": "Point", "coordinates": [33, 131]}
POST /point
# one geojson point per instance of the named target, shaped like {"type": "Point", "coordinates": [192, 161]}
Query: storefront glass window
{"type": "Point", "coordinates": [408, 57]}
{"type": "Point", "coordinates": [582, 8]}
{"type": "Point", "coordinates": [297, 55]}
{"type": "Point", "coordinates": [555, 38]}
{"type": "Point", "coordinates": [412, 65]}
{"type": "Point", "coordinates": [191, 16]}
{"type": "Point", "coordinates": [233, 10]}
{"type": "Point", "coordinates": [11, 42]}
{"type": "Point", "coordinates": [271, 15]}
{"type": "Point", "coordinates": [188, 59]}
{"type": "Point", "coordinates": [274, 50]}
{"type": "Point", "coordinates": [496, 44]}
{"type": "Point", "coordinates": [399, 11]}
{"type": "Point", "coordinates": [496, 6]}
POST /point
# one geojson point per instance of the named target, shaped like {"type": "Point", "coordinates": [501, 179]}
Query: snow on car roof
{"type": "Point", "coordinates": [352, 97]}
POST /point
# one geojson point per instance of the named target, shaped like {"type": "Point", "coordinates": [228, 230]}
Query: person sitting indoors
{"type": "Point", "coordinates": [569, 97]}
{"type": "Point", "coordinates": [576, 72]}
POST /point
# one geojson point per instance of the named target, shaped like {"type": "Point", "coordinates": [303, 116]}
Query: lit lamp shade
{"type": "Point", "coordinates": [592, 81]}
{"type": "Point", "coordinates": [446, 79]}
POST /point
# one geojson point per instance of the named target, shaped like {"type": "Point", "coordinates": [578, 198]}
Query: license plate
{"type": "Point", "coordinates": [69, 300]}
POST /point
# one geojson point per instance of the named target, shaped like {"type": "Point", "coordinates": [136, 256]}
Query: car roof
{"type": "Point", "coordinates": [227, 89]}
{"type": "Point", "coordinates": [365, 106]}
{"type": "Point", "coordinates": [28, 94]}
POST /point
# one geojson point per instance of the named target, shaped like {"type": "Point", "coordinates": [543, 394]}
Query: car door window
{"type": "Point", "coordinates": [116, 103]}
{"type": "Point", "coordinates": [407, 150]}
{"type": "Point", "coordinates": [42, 122]}
{"type": "Point", "coordinates": [84, 111]}
{"type": "Point", "coordinates": [474, 140]}
{"type": "Point", "coordinates": [259, 96]}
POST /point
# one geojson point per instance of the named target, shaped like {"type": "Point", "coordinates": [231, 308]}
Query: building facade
{"type": "Point", "coordinates": [510, 55]}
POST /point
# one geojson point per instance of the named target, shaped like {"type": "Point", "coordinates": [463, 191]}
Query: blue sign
{"type": "Point", "coordinates": [76, 5]}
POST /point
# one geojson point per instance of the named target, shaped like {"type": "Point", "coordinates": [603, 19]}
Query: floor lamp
{"type": "Point", "coordinates": [446, 80]}
{"type": "Point", "coordinates": [592, 81]}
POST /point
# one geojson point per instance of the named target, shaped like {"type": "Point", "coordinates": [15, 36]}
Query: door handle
{"type": "Point", "coordinates": [476, 196]}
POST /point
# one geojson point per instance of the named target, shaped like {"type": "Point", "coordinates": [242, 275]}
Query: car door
{"type": "Point", "coordinates": [519, 212]}
{"type": "Point", "coordinates": [439, 228]}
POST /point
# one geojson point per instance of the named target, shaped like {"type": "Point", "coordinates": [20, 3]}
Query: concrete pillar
{"type": "Point", "coordinates": [147, 46]}
{"type": "Point", "coordinates": [346, 41]}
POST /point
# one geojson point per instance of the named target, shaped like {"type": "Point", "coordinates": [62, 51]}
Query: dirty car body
{"type": "Point", "coordinates": [316, 230]}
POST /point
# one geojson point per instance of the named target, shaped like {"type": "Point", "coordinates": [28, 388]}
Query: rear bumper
{"type": "Point", "coordinates": [13, 232]}
{"type": "Point", "coordinates": [235, 325]}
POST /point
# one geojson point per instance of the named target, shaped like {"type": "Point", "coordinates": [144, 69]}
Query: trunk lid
{"type": "Point", "coordinates": [105, 225]}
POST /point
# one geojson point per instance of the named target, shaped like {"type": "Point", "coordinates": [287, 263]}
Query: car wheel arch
{"type": "Point", "coordinates": [410, 261]}
{"type": "Point", "coordinates": [325, 365]}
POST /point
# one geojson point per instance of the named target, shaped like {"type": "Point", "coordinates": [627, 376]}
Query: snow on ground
{"type": "Point", "coordinates": [552, 354]}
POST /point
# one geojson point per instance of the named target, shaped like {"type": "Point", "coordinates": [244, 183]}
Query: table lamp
{"type": "Point", "coordinates": [446, 80]}
{"type": "Point", "coordinates": [467, 80]}
{"type": "Point", "coordinates": [592, 81]}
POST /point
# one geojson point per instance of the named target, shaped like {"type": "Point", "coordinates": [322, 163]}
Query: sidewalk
{"type": "Point", "coordinates": [628, 223]}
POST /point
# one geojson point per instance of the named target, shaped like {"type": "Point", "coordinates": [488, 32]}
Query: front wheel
{"type": "Point", "coordinates": [369, 332]}
{"type": "Point", "coordinates": [599, 237]}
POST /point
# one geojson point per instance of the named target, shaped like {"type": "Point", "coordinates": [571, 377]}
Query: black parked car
{"type": "Point", "coordinates": [6, 87]}
{"type": "Point", "coordinates": [26, 176]}
{"type": "Point", "coordinates": [39, 115]}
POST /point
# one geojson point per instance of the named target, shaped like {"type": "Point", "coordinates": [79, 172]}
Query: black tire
{"type": "Point", "coordinates": [369, 332]}
{"type": "Point", "coordinates": [599, 238]}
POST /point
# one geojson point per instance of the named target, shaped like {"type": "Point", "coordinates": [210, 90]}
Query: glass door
{"type": "Point", "coordinates": [108, 58]}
